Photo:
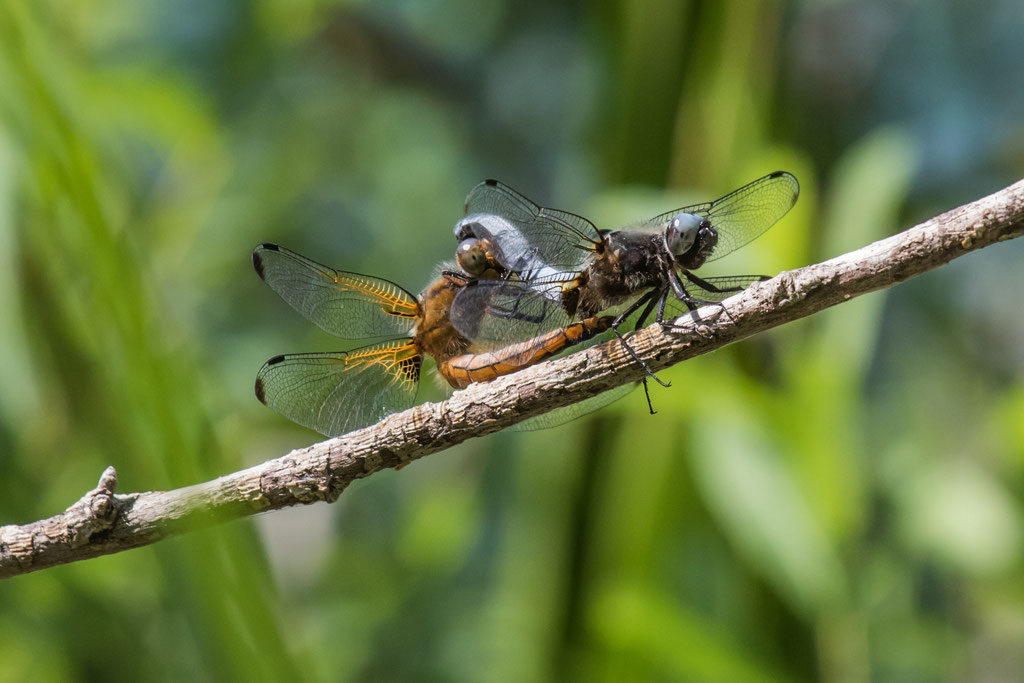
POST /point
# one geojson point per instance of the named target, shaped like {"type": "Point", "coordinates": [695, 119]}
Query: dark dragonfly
{"type": "Point", "coordinates": [569, 270]}
{"type": "Point", "coordinates": [336, 392]}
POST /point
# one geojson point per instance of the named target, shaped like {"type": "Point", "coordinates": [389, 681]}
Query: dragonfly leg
{"type": "Point", "coordinates": [642, 318]}
{"type": "Point", "coordinates": [710, 287]}
{"type": "Point", "coordinates": [460, 279]}
{"type": "Point", "coordinates": [647, 300]}
{"type": "Point", "coordinates": [638, 359]}
{"type": "Point", "coordinates": [696, 319]}
{"type": "Point", "coordinates": [704, 284]}
{"type": "Point", "coordinates": [692, 304]}
{"type": "Point", "coordinates": [679, 289]}
{"type": "Point", "coordinates": [639, 323]}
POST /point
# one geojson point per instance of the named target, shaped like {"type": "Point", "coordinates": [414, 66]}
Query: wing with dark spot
{"type": "Point", "coordinates": [743, 214]}
{"type": "Point", "coordinates": [348, 305]}
{"type": "Point", "coordinates": [338, 392]}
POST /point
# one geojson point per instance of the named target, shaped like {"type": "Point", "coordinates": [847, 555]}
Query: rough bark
{"type": "Point", "coordinates": [104, 522]}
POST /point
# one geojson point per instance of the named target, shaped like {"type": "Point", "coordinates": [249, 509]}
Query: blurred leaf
{"type": "Point", "coordinates": [442, 526]}
{"type": "Point", "coordinates": [724, 103]}
{"type": "Point", "coordinates": [764, 512]}
{"type": "Point", "coordinates": [958, 513]}
{"type": "Point", "coordinates": [670, 641]}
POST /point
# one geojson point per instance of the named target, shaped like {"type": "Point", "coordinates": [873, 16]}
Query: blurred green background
{"type": "Point", "coordinates": [840, 499]}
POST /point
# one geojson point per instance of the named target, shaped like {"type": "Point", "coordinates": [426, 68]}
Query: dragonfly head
{"type": "Point", "coordinates": [691, 239]}
{"type": "Point", "coordinates": [475, 258]}
{"type": "Point", "coordinates": [472, 256]}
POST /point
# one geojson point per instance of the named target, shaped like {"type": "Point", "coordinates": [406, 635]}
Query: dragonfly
{"type": "Point", "coordinates": [337, 392]}
{"type": "Point", "coordinates": [569, 270]}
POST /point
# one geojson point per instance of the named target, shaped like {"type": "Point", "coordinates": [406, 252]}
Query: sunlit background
{"type": "Point", "coordinates": [840, 499]}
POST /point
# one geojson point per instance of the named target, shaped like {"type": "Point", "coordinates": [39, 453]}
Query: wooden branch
{"type": "Point", "coordinates": [104, 522]}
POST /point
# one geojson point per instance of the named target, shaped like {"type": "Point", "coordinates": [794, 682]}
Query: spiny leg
{"type": "Point", "coordinates": [710, 287]}
{"type": "Point", "coordinates": [692, 304]}
{"type": "Point", "coordinates": [648, 301]}
{"type": "Point", "coordinates": [639, 323]}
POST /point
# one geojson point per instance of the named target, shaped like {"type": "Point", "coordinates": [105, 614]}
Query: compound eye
{"type": "Point", "coordinates": [681, 233]}
{"type": "Point", "coordinates": [471, 256]}
{"type": "Point", "coordinates": [467, 228]}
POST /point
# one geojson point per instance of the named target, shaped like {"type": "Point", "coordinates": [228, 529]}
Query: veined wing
{"type": "Point", "coordinates": [708, 290]}
{"type": "Point", "coordinates": [719, 288]}
{"type": "Point", "coordinates": [743, 214]}
{"type": "Point", "coordinates": [495, 313]}
{"type": "Point", "coordinates": [560, 416]}
{"type": "Point", "coordinates": [335, 393]}
{"type": "Point", "coordinates": [527, 237]}
{"type": "Point", "coordinates": [348, 305]}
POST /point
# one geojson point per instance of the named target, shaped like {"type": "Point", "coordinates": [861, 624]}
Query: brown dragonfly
{"type": "Point", "coordinates": [336, 392]}
{"type": "Point", "coordinates": [569, 270]}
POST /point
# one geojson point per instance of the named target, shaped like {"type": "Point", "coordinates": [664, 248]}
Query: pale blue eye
{"type": "Point", "coordinates": [681, 232]}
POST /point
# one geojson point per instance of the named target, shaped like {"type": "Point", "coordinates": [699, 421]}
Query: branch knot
{"type": "Point", "coordinates": [94, 512]}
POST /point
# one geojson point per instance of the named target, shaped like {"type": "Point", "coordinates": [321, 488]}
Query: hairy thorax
{"type": "Point", "coordinates": [435, 333]}
{"type": "Point", "coordinates": [631, 262]}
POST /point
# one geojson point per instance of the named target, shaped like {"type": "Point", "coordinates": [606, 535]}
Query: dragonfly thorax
{"type": "Point", "coordinates": [433, 332]}
{"type": "Point", "coordinates": [630, 262]}
{"type": "Point", "coordinates": [634, 250]}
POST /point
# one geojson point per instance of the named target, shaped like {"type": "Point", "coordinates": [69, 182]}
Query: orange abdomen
{"type": "Point", "coordinates": [464, 369]}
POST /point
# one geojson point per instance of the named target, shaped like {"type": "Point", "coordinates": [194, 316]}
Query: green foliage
{"type": "Point", "coordinates": [839, 499]}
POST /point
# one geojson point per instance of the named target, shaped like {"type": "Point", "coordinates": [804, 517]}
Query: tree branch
{"type": "Point", "coordinates": [103, 522]}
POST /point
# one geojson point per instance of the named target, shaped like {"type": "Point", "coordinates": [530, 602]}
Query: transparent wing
{"type": "Point", "coordinates": [713, 290]}
{"type": "Point", "coordinates": [348, 305]}
{"type": "Point", "coordinates": [743, 214]}
{"type": "Point", "coordinates": [335, 393]}
{"type": "Point", "coordinates": [527, 237]}
{"type": "Point", "coordinates": [559, 416]}
{"type": "Point", "coordinates": [495, 313]}
{"type": "Point", "coordinates": [719, 288]}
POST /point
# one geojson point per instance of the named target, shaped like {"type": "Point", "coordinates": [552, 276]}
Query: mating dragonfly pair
{"type": "Point", "coordinates": [533, 282]}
